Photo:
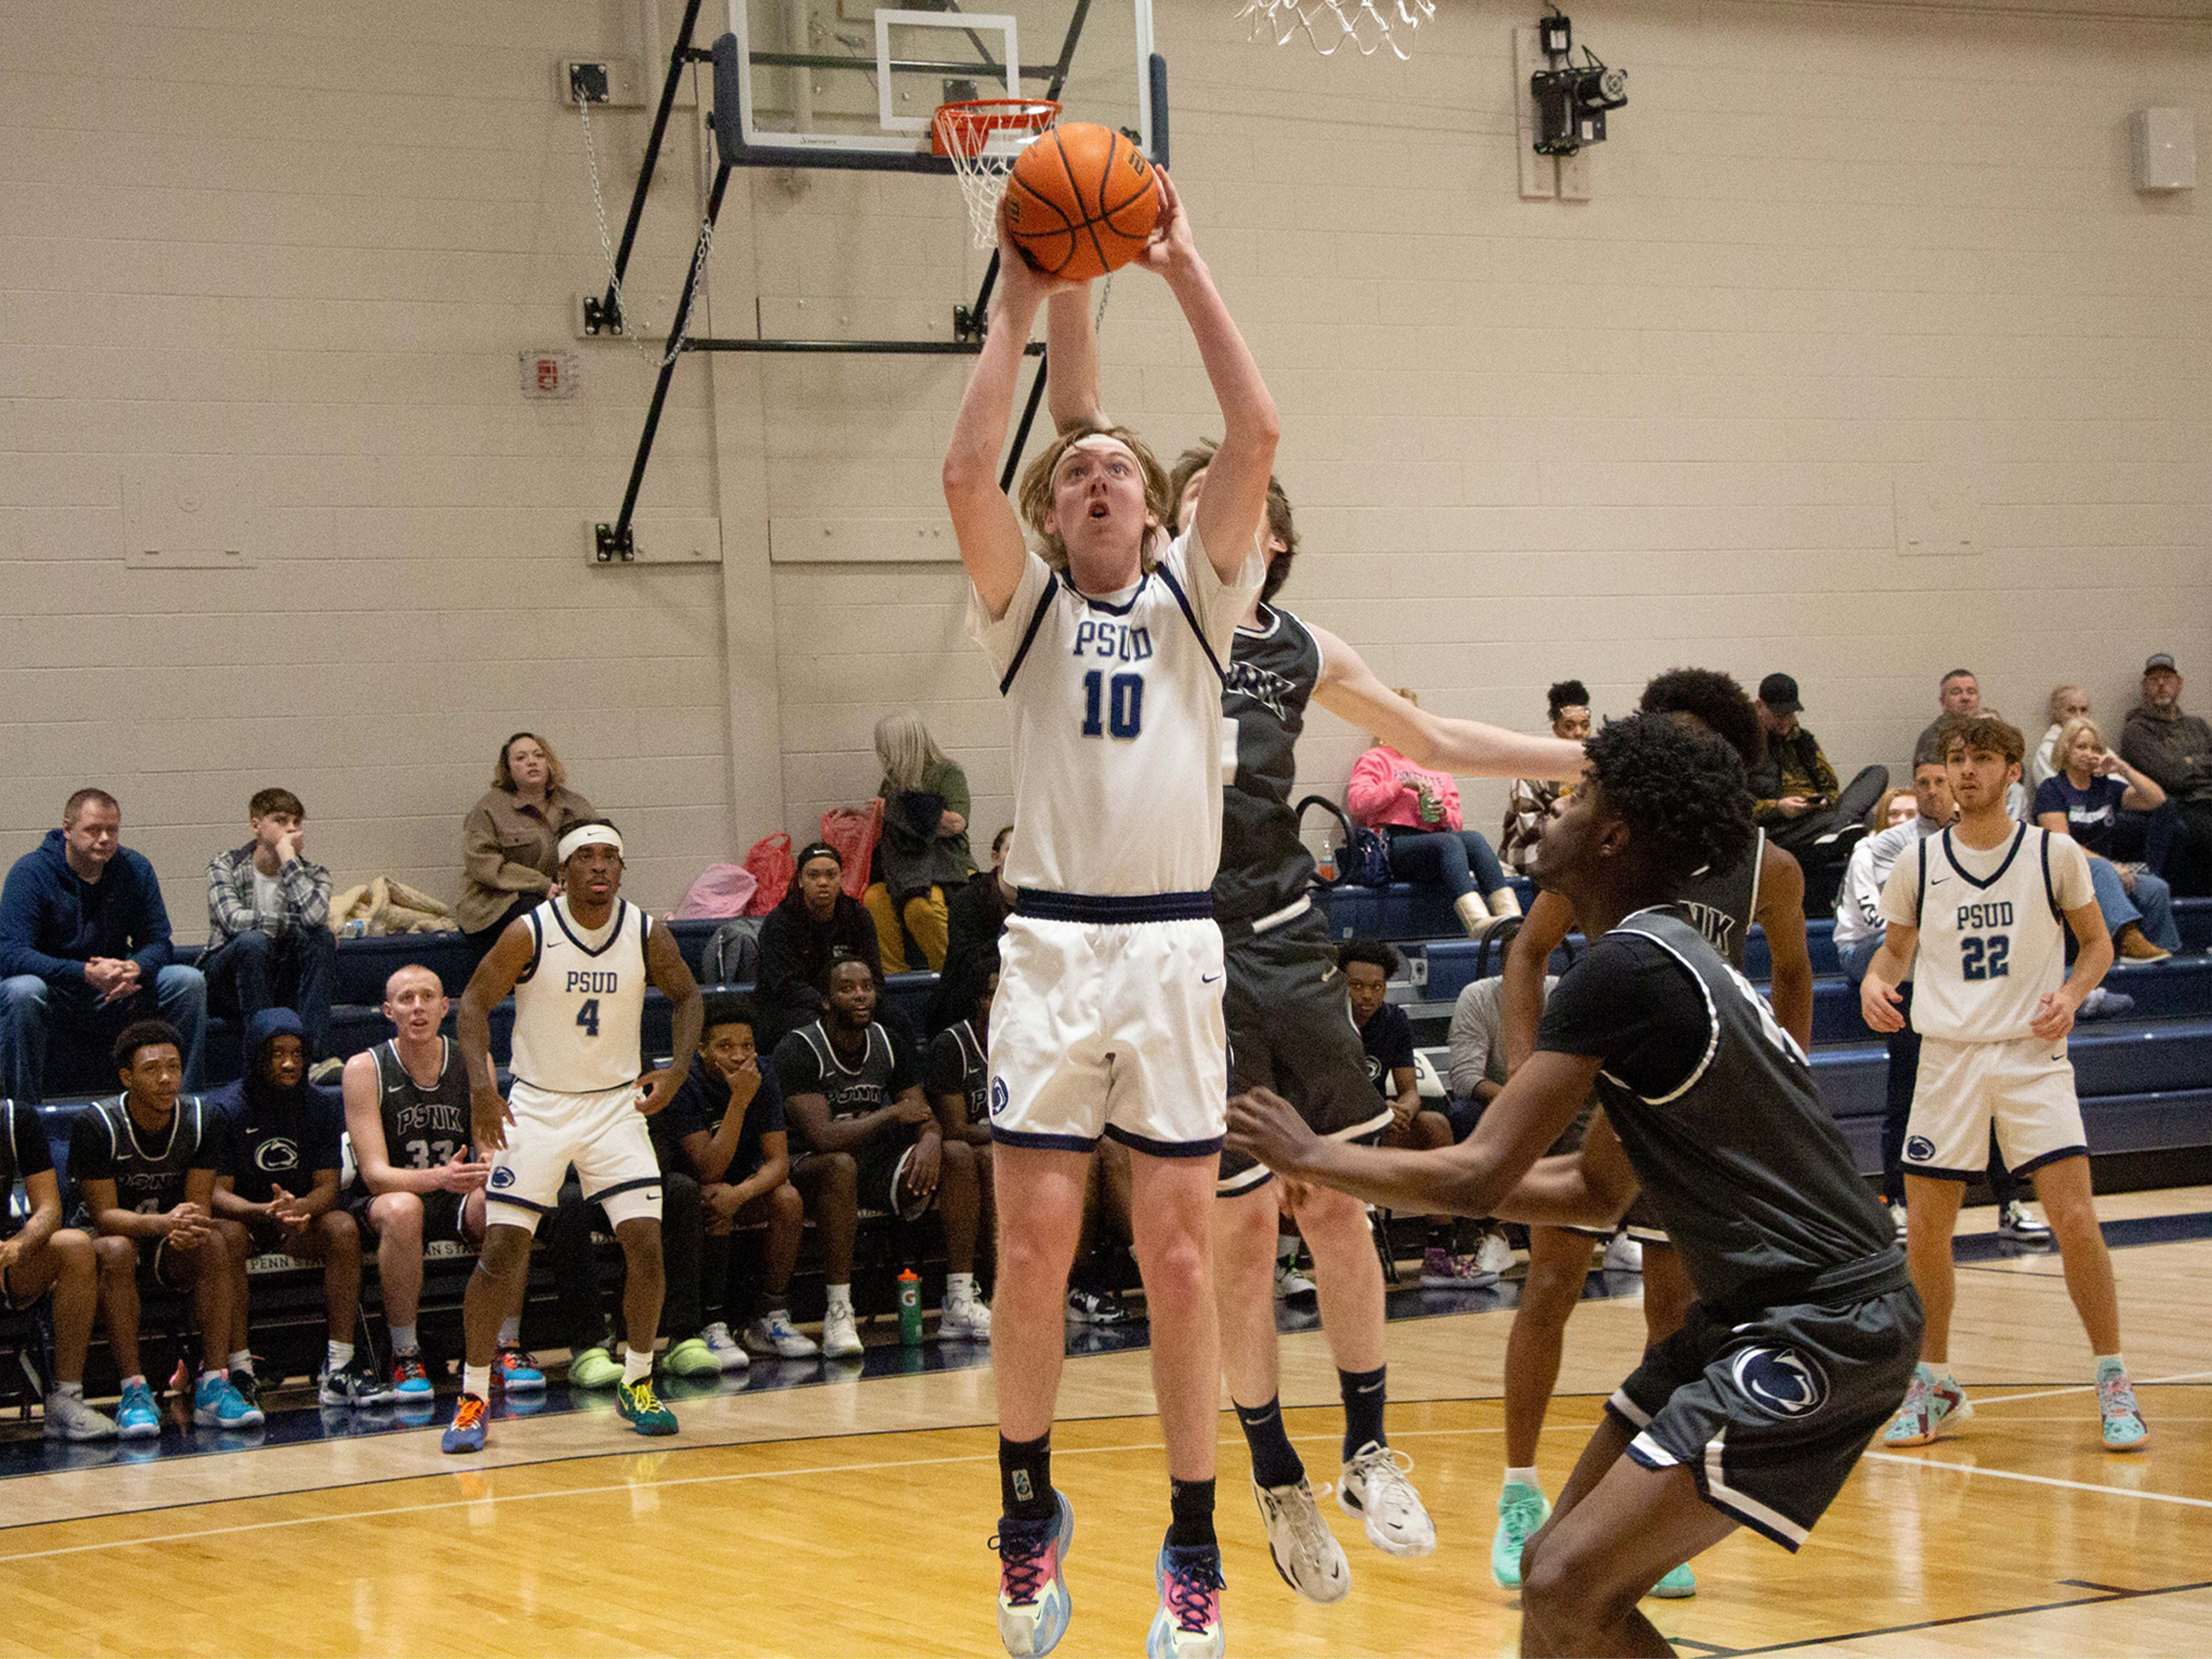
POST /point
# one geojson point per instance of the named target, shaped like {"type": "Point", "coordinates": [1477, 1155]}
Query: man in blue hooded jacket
{"type": "Point", "coordinates": [85, 951]}
{"type": "Point", "coordinates": [279, 1177]}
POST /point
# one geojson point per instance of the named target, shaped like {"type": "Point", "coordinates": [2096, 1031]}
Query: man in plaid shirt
{"type": "Point", "coordinates": [269, 942]}
{"type": "Point", "coordinates": [1530, 801]}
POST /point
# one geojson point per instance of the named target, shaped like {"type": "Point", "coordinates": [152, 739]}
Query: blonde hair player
{"type": "Point", "coordinates": [1108, 1020]}
{"type": "Point", "coordinates": [1973, 917]}
{"type": "Point", "coordinates": [578, 966]}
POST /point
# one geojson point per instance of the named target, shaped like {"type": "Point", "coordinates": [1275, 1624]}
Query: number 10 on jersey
{"type": "Point", "coordinates": [1121, 701]}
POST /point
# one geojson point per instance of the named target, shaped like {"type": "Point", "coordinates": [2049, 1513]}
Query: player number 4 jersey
{"type": "Point", "coordinates": [1120, 746]}
{"type": "Point", "coordinates": [580, 1006]}
{"type": "Point", "coordinates": [1993, 940]}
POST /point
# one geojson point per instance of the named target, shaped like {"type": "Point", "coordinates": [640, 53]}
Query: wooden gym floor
{"type": "Point", "coordinates": [853, 1518]}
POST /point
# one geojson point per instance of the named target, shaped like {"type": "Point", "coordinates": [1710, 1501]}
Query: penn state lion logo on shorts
{"type": "Point", "coordinates": [1783, 1382]}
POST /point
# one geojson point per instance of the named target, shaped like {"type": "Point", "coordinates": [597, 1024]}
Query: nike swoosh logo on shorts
{"type": "Point", "coordinates": [1207, 979]}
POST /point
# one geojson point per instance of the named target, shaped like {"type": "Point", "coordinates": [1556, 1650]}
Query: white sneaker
{"type": "Point", "coordinates": [1375, 1488]}
{"type": "Point", "coordinates": [68, 1418]}
{"type": "Point", "coordinates": [728, 1352]}
{"type": "Point", "coordinates": [1897, 1218]}
{"type": "Point", "coordinates": [773, 1337]}
{"type": "Point", "coordinates": [964, 1319]}
{"type": "Point", "coordinates": [1623, 1255]}
{"type": "Point", "coordinates": [1291, 1282]}
{"type": "Point", "coordinates": [840, 1335]}
{"type": "Point", "coordinates": [1494, 1254]}
{"type": "Point", "coordinates": [1306, 1553]}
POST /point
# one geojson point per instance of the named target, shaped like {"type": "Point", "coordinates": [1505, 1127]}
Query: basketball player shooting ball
{"type": "Point", "coordinates": [1110, 643]}
{"type": "Point", "coordinates": [1806, 1328]}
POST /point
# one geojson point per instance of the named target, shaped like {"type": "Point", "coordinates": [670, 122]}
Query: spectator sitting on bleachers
{"type": "Point", "coordinates": [978, 916]}
{"type": "Point", "coordinates": [1386, 1034]}
{"type": "Point", "coordinates": [1795, 798]}
{"type": "Point", "coordinates": [509, 838]}
{"type": "Point", "coordinates": [269, 942]}
{"type": "Point", "coordinates": [960, 1080]}
{"type": "Point", "coordinates": [85, 951]}
{"type": "Point", "coordinates": [728, 1119]}
{"type": "Point", "coordinates": [2067, 702]}
{"type": "Point", "coordinates": [851, 1085]}
{"type": "Point", "coordinates": [39, 1257]}
{"type": "Point", "coordinates": [816, 922]}
{"type": "Point", "coordinates": [144, 1165]}
{"type": "Point", "coordinates": [1417, 812]}
{"type": "Point", "coordinates": [2084, 800]}
{"type": "Point", "coordinates": [415, 1179]}
{"type": "Point", "coordinates": [924, 855]}
{"type": "Point", "coordinates": [2174, 750]}
{"type": "Point", "coordinates": [1959, 696]}
{"type": "Point", "coordinates": [282, 1159]}
{"type": "Point", "coordinates": [1530, 800]}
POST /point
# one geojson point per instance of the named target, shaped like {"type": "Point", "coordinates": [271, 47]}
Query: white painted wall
{"type": "Point", "coordinates": [296, 250]}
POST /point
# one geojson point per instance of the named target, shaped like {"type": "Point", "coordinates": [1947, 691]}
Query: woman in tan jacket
{"type": "Point", "coordinates": [509, 837]}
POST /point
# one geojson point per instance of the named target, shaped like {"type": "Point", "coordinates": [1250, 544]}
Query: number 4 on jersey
{"type": "Point", "coordinates": [588, 1018]}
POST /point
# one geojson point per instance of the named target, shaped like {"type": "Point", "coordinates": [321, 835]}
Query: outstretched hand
{"type": "Point", "coordinates": [1267, 1129]}
{"type": "Point", "coordinates": [1019, 282]}
{"type": "Point", "coordinates": [1172, 247]}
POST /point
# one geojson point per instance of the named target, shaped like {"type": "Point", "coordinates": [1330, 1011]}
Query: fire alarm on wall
{"type": "Point", "coordinates": [549, 374]}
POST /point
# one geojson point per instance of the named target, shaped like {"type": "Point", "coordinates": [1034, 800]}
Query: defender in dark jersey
{"type": "Point", "coordinates": [1806, 1329]}
{"type": "Point", "coordinates": [39, 1257]}
{"type": "Point", "coordinates": [1763, 884]}
{"type": "Point", "coordinates": [414, 1176]}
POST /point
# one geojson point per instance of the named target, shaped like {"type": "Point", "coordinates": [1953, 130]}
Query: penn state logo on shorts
{"type": "Point", "coordinates": [275, 1157]}
{"type": "Point", "coordinates": [504, 1177]}
{"type": "Point", "coordinates": [999, 1096]}
{"type": "Point", "coordinates": [1784, 1382]}
{"type": "Point", "coordinates": [1920, 1148]}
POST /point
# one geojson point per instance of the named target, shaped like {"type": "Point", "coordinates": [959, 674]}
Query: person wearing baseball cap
{"type": "Point", "coordinates": [815, 920]}
{"type": "Point", "coordinates": [1795, 798]}
{"type": "Point", "coordinates": [2174, 750]}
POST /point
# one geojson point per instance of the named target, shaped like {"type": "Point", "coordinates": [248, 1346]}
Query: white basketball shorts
{"type": "Point", "coordinates": [2025, 1086]}
{"type": "Point", "coordinates": [1110, 1029]}
{"type": "Point", "coordinates": [603, 1134]}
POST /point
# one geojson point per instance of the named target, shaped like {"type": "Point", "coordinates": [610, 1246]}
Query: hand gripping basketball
{"type": "Point", "coordinates": [1081, 201]}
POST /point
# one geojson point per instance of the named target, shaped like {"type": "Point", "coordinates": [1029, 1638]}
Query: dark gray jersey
{"type": "Point", "coordinates": [1272, 671]}
{"type": "Point", "coordinates": [1717, 1110]}
{"type": "Point", "coordinates": [423, 1127]}
{"type": "Point", "coordinates": [1722, 905]}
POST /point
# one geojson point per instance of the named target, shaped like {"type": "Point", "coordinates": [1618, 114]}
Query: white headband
{"type": "Point", "coordinates": [587, 835]}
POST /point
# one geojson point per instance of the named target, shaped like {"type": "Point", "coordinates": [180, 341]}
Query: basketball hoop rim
{"type": "Point", "coordinates": [961, 129]}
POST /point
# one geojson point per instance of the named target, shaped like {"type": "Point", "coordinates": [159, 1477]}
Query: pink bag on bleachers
{"type": "Point", "coordinates": [722, 890]}
{"type": "Point", "coordinates": [853, 831]}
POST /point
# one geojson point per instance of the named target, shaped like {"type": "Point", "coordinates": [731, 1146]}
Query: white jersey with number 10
{"type": "Point", "coordinates": [580, 1005]}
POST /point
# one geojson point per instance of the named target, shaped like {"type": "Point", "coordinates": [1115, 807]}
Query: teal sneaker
{"type": "Point", "coordinates": [594, 1368]}
{"type": "Point", "coordinates": [1676, 1584]}
{"type": "Point", "coordinates": [2124, 1430]}
{"type": "Point", "coordinates": [1930, 1404]}
{"type": "Point", "coordinates": [216, 1405]}
{"type": "Point", "coordinates": [690, 1358]}
{"type": "Point", "coordinates": [1522, 1509]}
{"type": "Point", "coordinates": [137, 1417]}
{"type": "Point", "coordinates": [641, 1408]}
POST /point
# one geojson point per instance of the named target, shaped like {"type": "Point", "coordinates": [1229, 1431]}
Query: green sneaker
{"type": "Point", "coordinates": [690, 1358]}
{"type": "Point", "coordinates": [637, 1403]}
{"type": "Point", "coordinates": [1522, 1509]}
{"type": "Point", "coordinates": [2123, 1426]}
{"type": "Point", "coordinates": [1676, 1584]}
{"type": "Point", "coordinates": [594, 1368]}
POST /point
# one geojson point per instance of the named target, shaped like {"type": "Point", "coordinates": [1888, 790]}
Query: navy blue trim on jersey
{"type": "Point", "coordinates": [1159, 1149]}
{"type": "Point", "coordinates": [1938, 1173]}
{"type": "Point", "coordinates": [621, 1187]}
{"type": "Point", "coordinates": [2050, 892]}
{"type": "Point", "coordinates": [1920, 900]}
{"type": "Point", "coordinates": [621, 919]}
{"type": "Point", "coordinates": [1045, 1142]}
{"type": "Point", "coordinates": [1984, 882]}
{"type": "Point", "coordinates": [538, 947]}
{"type": "Point", "coordinates": [1121, 609]}
{"type": "Point", "coordinates": [528, 1203]}
{"type": "Point", "coordinates": [2034, 1164]}
{"type": "Point", "coordinates": [1191, 617]}
{"type": "Point", "coordinates": [1112, 909]}
{"type": "Point", "coordinates": [1028, 638]}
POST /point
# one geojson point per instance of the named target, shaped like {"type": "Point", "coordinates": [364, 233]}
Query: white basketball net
{"type": "Point", "coordinates": [982, 141]}
{"type": "Point", "coordinates": [1329, 24]}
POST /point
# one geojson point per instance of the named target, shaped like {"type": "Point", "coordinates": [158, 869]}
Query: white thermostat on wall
{"type": "Point", "coordinates": [549, 374]}
{"type": "Point", "coordinates": [2162, 146]}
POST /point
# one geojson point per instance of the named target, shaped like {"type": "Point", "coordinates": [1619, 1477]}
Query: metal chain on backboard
{"type": "Point", "coordinates": [607, 247]}
{"type": "Point", "coordinates": [1329, 24]}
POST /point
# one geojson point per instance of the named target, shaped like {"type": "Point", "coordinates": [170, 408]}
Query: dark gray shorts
{"type": "Point", "coordinates": [1290, 1029]}
{"type": "Point", "coordinates": [1770, 1414]}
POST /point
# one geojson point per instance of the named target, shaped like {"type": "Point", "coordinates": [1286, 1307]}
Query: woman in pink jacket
{"type": "Point", "coordinates": [1417, 812]}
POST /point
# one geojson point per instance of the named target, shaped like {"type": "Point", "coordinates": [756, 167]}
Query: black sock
{"type": "Point", "coordinates": [1192, 1502]}
{"type": "Point", "coordinates": [1363, 1397]}
{"type": "Point", "coordinates": [1025, 1478]}
{"type": "Point", "coordinates": [1274, 1463]}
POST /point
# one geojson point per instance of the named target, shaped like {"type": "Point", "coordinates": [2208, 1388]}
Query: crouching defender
{"type": "Point", "coordinates": [1806, 1328]}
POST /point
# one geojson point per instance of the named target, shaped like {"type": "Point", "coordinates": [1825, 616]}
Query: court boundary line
{"type": "Point", "coordinates": [1961, 1618]}
{"type": "Point", "coordinates": [2049, 1480]}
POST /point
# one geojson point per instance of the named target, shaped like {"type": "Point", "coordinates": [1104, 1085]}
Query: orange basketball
{"type": "Point", "coordinates": [1082, 201]}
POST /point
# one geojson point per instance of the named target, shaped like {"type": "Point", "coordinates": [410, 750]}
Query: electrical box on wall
{"type": "Point", "coordinates": [2162, 147]}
